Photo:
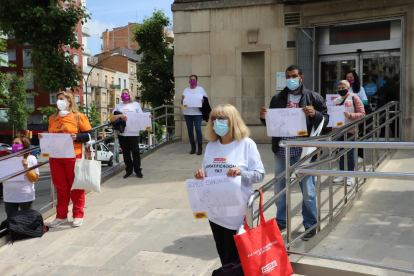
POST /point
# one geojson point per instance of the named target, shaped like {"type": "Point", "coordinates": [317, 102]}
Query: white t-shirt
{"type": "Point", "coordinates": [361, 94]}
{"type": "Point", "coordinates": [21, 191]}
{"type": "Point", "coordinates": [194, 110]}
{"type": "Point", "coordinates": [219, 158]}
{"type": "Point", "coordinates": [125, 109]}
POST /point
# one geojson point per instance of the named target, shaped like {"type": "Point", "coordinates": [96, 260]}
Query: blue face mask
{"type": "Point", "coordinates": [292, 84]}
{"type": "Point", "coordinates": [220, 127]}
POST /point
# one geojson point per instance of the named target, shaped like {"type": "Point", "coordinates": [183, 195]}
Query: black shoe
{"type": "Point", "coordinates": [200, 149]}
{"type": "Point", "coordinates": [128, 174]}
{"type": "Point", "coordinates": [193, 148]}
{"type": "Point", "coordinates": [309, 235]}
{"type": "Point", "coordinates": [281, 228]}
{"type": "Point", "coordinates": [139, 175]}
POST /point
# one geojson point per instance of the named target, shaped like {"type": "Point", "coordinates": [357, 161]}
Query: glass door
{"type": "Point", "coordinates": [332, 70]}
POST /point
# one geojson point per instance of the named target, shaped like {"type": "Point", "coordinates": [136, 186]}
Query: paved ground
{"type": "Point", "coordinates": [380, 226]}
{"type": "Point", "coordinates": [138, 226]}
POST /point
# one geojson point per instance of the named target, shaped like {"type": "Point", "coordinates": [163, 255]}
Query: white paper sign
{"type": "Point", "coordinates": [193, 100]}
{"type": "Point", "coordinates": [57, 145]}
{"type": "Point", "coordinates": [280, 80]}
{"type": "Point", "coordinates": [330, 98]}
{"type": "Point", "coordinates": [286, 122]}
{"type": "Point", "coordinates": [138, 121]}
{"type": "Point", "coordinates": [11, 166]}
{"type": "Point", "coordinates": [336, 116]}
{"type": "Point", "coordinates": [218, 196]}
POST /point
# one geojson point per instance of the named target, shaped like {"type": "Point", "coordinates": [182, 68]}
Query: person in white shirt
{"type": "Point", "coordinates": [129, 140]}
{"type": "Point", "coordinates": [193, 115]}
{"type": "Point", "coordinates": [230, 153]}
{"type": "Point", "coordinates": [356, 88]}
{"type": "Point", "coordinates": [21, 194]}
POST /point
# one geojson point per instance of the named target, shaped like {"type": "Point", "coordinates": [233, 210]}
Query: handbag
{"type": "Point", "coordinates": [87, 174]}
{"type": "Point", "coordinates": [262, 249]}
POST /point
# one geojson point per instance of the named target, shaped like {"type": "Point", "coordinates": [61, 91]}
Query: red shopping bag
{"type": "Point", "coordinates": [262, 249]}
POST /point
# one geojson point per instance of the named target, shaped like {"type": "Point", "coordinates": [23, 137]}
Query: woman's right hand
{"type": "Point", "coordinates": [182, 97]}
{"type": "Point", "coordinates": [124, 117]}
{"type": "Point", "coordinates": [40, 135]}
{"type": "Point", "coordinates": [200, 174]}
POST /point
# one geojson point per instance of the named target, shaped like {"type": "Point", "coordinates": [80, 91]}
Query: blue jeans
{"type": "Point", "coordinates": [350, 155]}
{"type": "Point", "coordinates": [196, 119]}
{"type": "Point", "coordinates": [308, 187]}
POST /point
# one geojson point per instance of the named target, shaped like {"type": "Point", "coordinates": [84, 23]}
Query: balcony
{"type": "Point", "coordinates": [87, 11]}
{"type": "Point", "coordinates": [86, 32]}
{"type": "Point", "coordinates": [115, 86]}
{"type": "Point", "coordinates": [86, 51]}
{"type": "Point", "coordinates": [101, 104]}
{"type": "Point", "coordinates": [100, 84]}
{"type": "Point", "coordinates": [5, 57]}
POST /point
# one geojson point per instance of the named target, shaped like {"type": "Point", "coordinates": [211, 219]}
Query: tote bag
{"type": "Point", "coordinates": [87, 173]}
{"type": "Point", "coordinates": [262, 249]}
{"type": "Point", "coordinates": [308, 150]}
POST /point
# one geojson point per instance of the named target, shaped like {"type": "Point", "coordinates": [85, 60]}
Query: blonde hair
{"type": "Point", "coordinates": [345, 82]}
{"type": "Point", "coordinates": [238, 129]}
{"type": "Point", "coordinates": [73, 107]}
{"type": "Point", "coordinates": [129, 93]}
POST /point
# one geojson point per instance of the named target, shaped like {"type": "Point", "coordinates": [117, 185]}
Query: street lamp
{"type": "Point", "coordinates": [87, 78]}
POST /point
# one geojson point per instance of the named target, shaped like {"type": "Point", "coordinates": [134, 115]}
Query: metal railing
{"type": "Point", "coordinates": [115, 150]}
{"type": "Point", "coordinates": [373, 124]}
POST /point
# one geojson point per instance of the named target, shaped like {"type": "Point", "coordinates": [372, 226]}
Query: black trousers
{"type": "Point", "coordinates": [225, 244]}
{"type": "Point", "coordinates": [10, 207]}
{"type": "Point", "coordinates": [130, 146]}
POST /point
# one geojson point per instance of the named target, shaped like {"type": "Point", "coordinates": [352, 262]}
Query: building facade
{"type": "Point", "coordinates": [119, 37]}
{"type": "Point", "coordinates": [241, 50]}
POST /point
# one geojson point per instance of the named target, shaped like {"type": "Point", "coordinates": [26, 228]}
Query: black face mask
{"type": "Point", "coordinates": [343, 92]}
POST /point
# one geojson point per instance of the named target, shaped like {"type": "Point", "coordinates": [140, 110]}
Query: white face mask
{"type": "Point", "coordinates": [61, 104]}
{"type": "Point", "coordinates": [63, 113]}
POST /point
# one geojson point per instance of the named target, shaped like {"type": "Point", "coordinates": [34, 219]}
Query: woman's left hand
{"type": "Point", "coordinates": [347, 115]}
{"type": "Point", "coordinates": [25, 163]}
{"type": "Point", "coordinates": [73, 135]}
{"type": "Point", "coordinates": [150, 116]}
{"type": "Point", "coordinates": [233, 172]}
{"type": "Point", "coordinates": [202, 100]}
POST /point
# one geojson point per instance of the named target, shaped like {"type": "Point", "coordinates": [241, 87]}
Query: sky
{"type": "Point", "coordinates": [107, 14]}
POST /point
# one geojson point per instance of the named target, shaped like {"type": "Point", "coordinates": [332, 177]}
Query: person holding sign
{"type": "Point", "coordinates": [129, 139]}
{"type": "Point", "coordinates": [68, 120]}
{"type": "Point", "coordinates": [194, 115]}
{"type": "Point", "coordinates": [355, 110]}
{"type": "Point", "coordinates": [21, 194]}
{"type": "Point", "coordinates": [230, 153]}
{"type": "Point", "coordinates": [295, 95]}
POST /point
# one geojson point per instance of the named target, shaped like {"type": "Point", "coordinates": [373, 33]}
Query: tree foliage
{"type": "Point", "coordinates": [47, 26]}
{"type": "Point", "coordinates": [47, 112]}
{"type": "Point", "coordinates": [155, 73]}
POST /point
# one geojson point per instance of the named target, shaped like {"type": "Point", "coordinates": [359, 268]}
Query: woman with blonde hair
{"type": "Point", "coordinates": [129, 140]}
{"type": "Point", "coordinates": [68, 120]}
{"type": "Point", "coordinates": [230, 153]}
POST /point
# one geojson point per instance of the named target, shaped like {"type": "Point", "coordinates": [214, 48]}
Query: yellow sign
{"type": "Point", "coordinates": [302, 133]}
{"type": "Point", "coordinates": [148, 128]}
{"type": "Point", "coordinates": [200, 215]}
{"type": "Point", "coordinates": [185, 105]}
{"type": "Point", "coordinates": [340, 124]}
{"type": "Point", "coordinates": [45, 154]}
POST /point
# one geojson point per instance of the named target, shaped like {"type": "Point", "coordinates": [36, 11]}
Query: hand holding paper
{"type": "Point", "coordinates": [286, 122]}
{"type": "Point", "coordinates": [138, 121]}
{"type": "Point", "coordinates": [57, 145]}
{"type": "Point", "coordinates": [193, 100]}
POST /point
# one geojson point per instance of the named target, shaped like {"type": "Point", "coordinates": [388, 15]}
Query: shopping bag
{"type": "Point", "coordinates": [262, 249]}
{"type": "Point", "coordinates": [308, 150]}
{"type": "Point", "coordinates": [87, 173]}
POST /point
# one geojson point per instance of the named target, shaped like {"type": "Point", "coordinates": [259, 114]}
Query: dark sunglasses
{"type": "Point", "coordinates": [219, 118]}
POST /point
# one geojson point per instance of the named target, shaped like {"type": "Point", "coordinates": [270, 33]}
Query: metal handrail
{"type": "Point", "coordinates": [365, 145]}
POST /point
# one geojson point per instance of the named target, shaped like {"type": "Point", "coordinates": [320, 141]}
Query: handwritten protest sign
{"type": "Point", "coordinates": [218, 196]}
{"type": "Point", "coordinates": [336, 116]}
{"type": "Point", "coordinates": [138, 121]}
{"type": "Point", "coordinates": [330, 98]}
{"type": "Point", "coordinates": [193, 100]}
{"type": "Point", "coordinates": [286, 122]}
{"type": "Point", "coordinates": [57, 145]}
{"type": "Point", "coordinates": [11, 166]}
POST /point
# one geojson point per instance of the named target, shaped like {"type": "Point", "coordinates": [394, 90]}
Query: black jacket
{"type": "Point", "coordinates": [206, 109]}
{"type": "Point", "coordinates": [119, 124]}
{"type": "Point", "coordinates": [309, 98]}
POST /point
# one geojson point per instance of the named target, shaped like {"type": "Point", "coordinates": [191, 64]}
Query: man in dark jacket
{"type": "Point", "coordinates": [295, 95]}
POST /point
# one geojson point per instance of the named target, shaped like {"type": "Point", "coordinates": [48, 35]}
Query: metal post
{"type": "Point", "coordinates": [52, 190]}
{"type": "Point", "coordinates": [166, 123]}
{"type": "Point", "coordinates": [345, 169]}
{"type": "Point", "coordinates": [374, 125]}
{"type": "Point", "coordinates": [356, 158]}
{"type": "Point", "coordinates": [288, 224]}
{"type": "Point", "coordinates": [387, 126]}
{"type": "Point", "coordinates": [396, 122]}
{"type": "Point", "coordinates": [378, 137]}
{"type": "Point", "coordinates": [318, 193]}
{"type": "Point", "coordinates": [153, 125]}
{"type": "Point", "coordinates": [363, 150]}
{"type": "Point", "coordinates": [330, 186]}
{"type": "Point", "coordinates": [96, 145]}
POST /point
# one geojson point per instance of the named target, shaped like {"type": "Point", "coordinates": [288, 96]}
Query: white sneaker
{"type": "Point", "coordinates": [360, 160]}
{"type": "Point", "coordinates": [338, 179]}
{"type": "Point", "coordinates": [77, 222]}
{"type": "Point", "coordinates": [349, 181]}
{"type": "Point", "coordinates": [57, 222]}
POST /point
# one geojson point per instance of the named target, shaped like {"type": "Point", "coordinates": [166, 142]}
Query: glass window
{"type": "Point", "coordinates": [11, 54]}
{"type": "Point", "coordinates": [132, 70]}
{"type": "Point", "coordinates": [117, 100]}
{"type": "Point", "coordinates": [132, 87]}
{"type": "Point", "coordinates": [30, 100]}
{"type": "Point", "coordinates": [77, 99]}
{"type": "Point", "coordinates": [125, 84]}
{"type": "Point", "coordinates": [104, 97]}
{"type": "Point", "coordinates": [76, 37]}
{"type": "Point", "coordinates": [76, 59]}
{"type": "Point", "coordinates": [112, 80]}
{"type": "Point", "coordinates": [28, 79]}
{"type": "Point", "coordinates": [104, 148]}
{"type": "Point", "coordinates": [27, 58]}
{"type": "Point", "coordinates": [53, 98]}
{"type": "Point", "coordinates": [98, 147]}
{"type": "Point", "coordinates": [119, 81]}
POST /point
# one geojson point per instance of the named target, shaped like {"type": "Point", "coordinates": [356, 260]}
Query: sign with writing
{"type": "Point", "coordinates": [286, 122]}
{"type": "Point", "coordinates": [330, 98]}
{"type": "Point", "coordinates": [11, 166]}
{"type": "Point", "coordinates": [138, 121]}
{"type": "Point", "coordinates": [218, 196]}
{"type": "Point", "coordinates": [57, 145]}
{"type": "Point", "coordinates": [357, 33]}
{"type": "Point", "coordinates": [280, 80]}
{"type": "Point", "coordinates": [371, 89]}
{"type": "Point", "coordinates": [193, 100]}
{"type": "Point", "coordinates": [336, 116]}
